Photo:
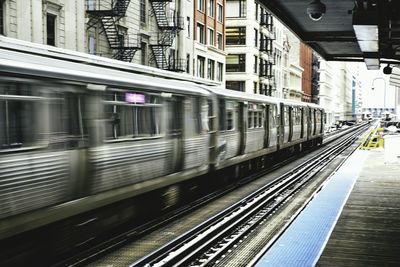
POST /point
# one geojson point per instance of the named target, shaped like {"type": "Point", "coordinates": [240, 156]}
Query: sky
{"type": "Point", "coordinates": [374, 98]}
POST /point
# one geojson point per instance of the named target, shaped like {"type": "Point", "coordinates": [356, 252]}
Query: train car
{"type": "Point", "coordinates": [316, 122]}
{"type": "Point", "coordinates": [87, 136]}
{"type": "Point", "coordinates": [246, 127]}
{"type": "Point", "coordinates": [76, 137]}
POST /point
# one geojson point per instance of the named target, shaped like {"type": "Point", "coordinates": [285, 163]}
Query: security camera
{"type": "Point", "coordinates": [387, 69]}
{"type": "Point", "coordinates": [315, 10]}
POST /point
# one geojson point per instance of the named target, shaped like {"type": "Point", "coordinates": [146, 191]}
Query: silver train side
{"type": "Point", "coordinates": [75, 137]}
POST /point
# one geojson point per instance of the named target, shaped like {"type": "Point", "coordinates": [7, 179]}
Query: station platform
{"type": "Point", "coordinates": [353, 221]}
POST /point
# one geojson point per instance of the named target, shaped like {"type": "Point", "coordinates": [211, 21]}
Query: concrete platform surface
{"type": "Point", "coordinates": [353, 221]}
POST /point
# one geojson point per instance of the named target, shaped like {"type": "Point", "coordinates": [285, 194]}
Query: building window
{"type": "Point", "coordinates": [255, 87]}
{"type": "Point", "coordinates": [219, 41]}
{"type": "Point", "coordinates": [255, 64]}
{"type": "Point", "coordinates": [255, 38]}
{"type": "Point", "coordinates": [51, 29]}
{"type": "Point", "coordinates": [210, 8]}
{"type": "Point", "coordinates": [187, 63]}
{"type": "Point", "coordinates": [235, 35]}
{"type": "Point", "coordinates": [2, 17]}
{"type": "Point", "coordinates": [236, 8]}
{"type": "Point", "coordinates": [236, 63]}
{"type": "Point", "coordinates": [188, 26]}
{"type": "Point", "coordinates": [200, 5]}
{"type": "Point", "coordinates": [200, 33]}
{"type": "Point", "coordinates": [143, 11]}
{"type": "Point", "coordinates": [236, 85]}
{"type": "Point", "coordinates": [91, 4]}
{"type": "Point", "coordinates": [220, 71]}
{"type": "Point", "coordinates": [143, 49]}
{"type": "Point", "coordinates": [200, 66]}
{"type": "Point", "coordinates": [256, 11]}
{"type": "Point", "coordinates": [92, 44]}
{"type": "Point", "coordinates": [210, 69]}
{"type": "Point", "coordinates": [210, 36]}
{"type": "Point", "coordinates": [220, 13]}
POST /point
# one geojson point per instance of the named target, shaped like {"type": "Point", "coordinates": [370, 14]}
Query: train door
{"type": "Point", "coordinates": [212, 128]}
{"type": "Point", "coordinates": [302, 122]}
{"type": "Point", "coordinates": [267, 124]}
{"type": "Point", "coordinates": [291, 124]}
{"type": "Point", "coordinates": [286, 125]}
{"type": "Point", "coordinates": [242, 109]}
{"type": "Point", "coordinates": [229, 137]}
{"type": "Point", "coordinates": [175, 130]}
{"type": "Point", "coordinates": [314, 122]}
{"type": "Point", "coordinates": [273, 125]}
{"type": "Point", "coordinates": [195, 136]}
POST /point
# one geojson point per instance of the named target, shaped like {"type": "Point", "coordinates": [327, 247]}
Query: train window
{"type": "Point", "coordinates": [39, 115]}
{"type": "Point", "coordinates": [231, 109]}
{"type": "Point", "coordinates": [250, 120]}
{"type": "Point", "coordinates": [229, 120]}
{"type": "Point", "coordinates": [222, 115]}
{"type": "Point", "coordinates": [192, 116]}
{"type": "Point", "coordinates": [132, 115]}
{"type": "Point", "coordinates": [273, 115]}
{"type": "Point", "coordinates": [16, 121]}
{"type": "Point", "coordinates": [318, 116]}
{"type": "Point", "coordinates": [286, 115]}
{"type": "Point", "coordinates": [255, 116]}
{"type": "Point", "coordinates": [297, 115]}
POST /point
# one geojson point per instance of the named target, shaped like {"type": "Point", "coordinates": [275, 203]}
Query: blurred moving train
{"type": "Point", "coordinates": [75, 136]}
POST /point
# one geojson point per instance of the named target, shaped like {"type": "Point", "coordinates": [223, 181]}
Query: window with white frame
{"type": "Point", "coordinates": [188, 26]}
{"type": "Point", "coordinates": [2, 16]}
{"type": "Point", "coordinates": [143, 11]}
{"type": "Point", "coordinates": [235, 35]}
{"type": "Point", "coordinates": [187, 63]}
{"type": "Point", "coordinates": [200, 5]}
{"type": "Point", "coordinates": [200, 33]}
{"type": "Point", "coordinates": [236, 8]}
{"type": "Point", "coordinates": [143, 49]}
{"type": "Point", "coordinates": [220, 71]}
{"type": "Point", "coordinates": [51, 23]}
{"type": "Point", "coordinates": [210, 69]}
{"type": "Point", "coordinates": [200, 66]}
{"type": "Point", "coordinates": [236, 63]}
{"type": "Point", "coordinates": [210, 8]}
{"type": "Point", "coordinates": [220, 41]}
{"type": "Point", "coordinates": [210, 37]}
{"type": "Point", "coordinates": [220, 13]}
{"type": "Point", "coordinates": [92, 43]}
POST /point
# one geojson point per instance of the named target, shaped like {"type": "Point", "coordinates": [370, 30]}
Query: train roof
{"type": "Point", "coordinates": [36, 65]}
{"type": "Point", "coordinates": [12, 44]}
{"type": "Point", "coordinates": [242, 95]}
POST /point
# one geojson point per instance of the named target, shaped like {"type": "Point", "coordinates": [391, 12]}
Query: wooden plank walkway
{"type": "Point", "coordinates": [368, 230]}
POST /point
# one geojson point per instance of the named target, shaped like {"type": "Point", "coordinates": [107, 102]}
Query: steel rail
{"type": "Point", "coordinates": [184, 248]}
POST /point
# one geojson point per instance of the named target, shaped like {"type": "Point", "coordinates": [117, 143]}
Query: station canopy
{"type": "Point", "coordinates": [361, 30]}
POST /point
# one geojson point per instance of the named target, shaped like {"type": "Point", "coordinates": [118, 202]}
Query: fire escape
{"type": "Point", "coordinates": [109, 14]}
{"type": "Point", "coordinates": [168, 29]}
{"type": "Point", "coordinates": [266, 46]}
{"type": "Point", "coordinates": [315, 79]}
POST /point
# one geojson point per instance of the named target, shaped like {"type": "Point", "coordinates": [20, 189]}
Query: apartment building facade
{"type": "Point", "coordinates": [179, 36]}
{"type": "Point", "coordinates": [251, 34]}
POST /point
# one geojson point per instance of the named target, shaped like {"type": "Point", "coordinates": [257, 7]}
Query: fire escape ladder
{"type": "Point", "coordinates": [123, 48]}
{"type": "Point", "coordinates": [168, 29]}
{"type": "Point", "coordinates": [120, 7]}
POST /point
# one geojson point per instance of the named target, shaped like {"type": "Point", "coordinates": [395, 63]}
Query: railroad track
{"type": "Point", "coordinates": [120, 240]}
{"type": "Point", "coordinates": [207, 243]}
